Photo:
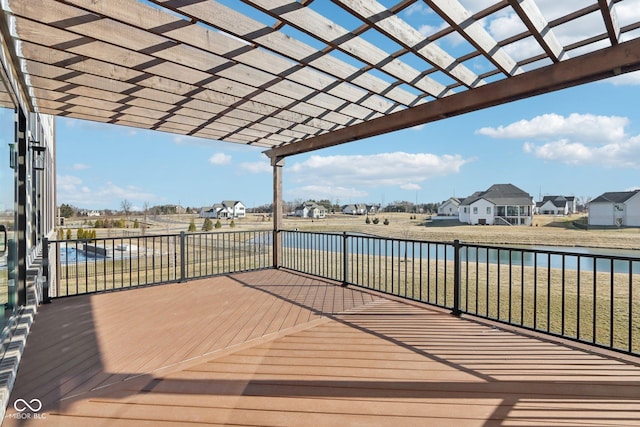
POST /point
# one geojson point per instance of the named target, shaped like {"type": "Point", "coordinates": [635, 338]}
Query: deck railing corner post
{"type": "Point", "coordinates": [182, 257]}
{"type": "Point", "coordinates": [456, 279]}
{"type": "Point", "coordinates": [345, 259]}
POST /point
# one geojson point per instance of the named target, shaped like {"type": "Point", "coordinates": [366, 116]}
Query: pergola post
{"type": "Point", "coordinates": [277, 163]}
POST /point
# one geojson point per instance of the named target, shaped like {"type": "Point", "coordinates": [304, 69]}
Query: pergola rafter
{"type": "Point", "coordinates": [290, 76]}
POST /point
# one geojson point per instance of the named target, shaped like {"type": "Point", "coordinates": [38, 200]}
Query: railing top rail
{"type": "Point", "coordinates": [536, 249]}
{"type": "Point", "coordinates": [576, 251]}
{"type": "Point", "coordinates": [150, 236]}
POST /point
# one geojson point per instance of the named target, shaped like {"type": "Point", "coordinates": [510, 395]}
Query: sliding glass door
{"type": "Point", "coordinates": [8, 182]}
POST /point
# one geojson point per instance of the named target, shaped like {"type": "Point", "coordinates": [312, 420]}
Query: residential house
{"type": "Point", "coordinates": [355, 209]}
{"type": "Point", "coordinates": [226, 209]}
{"type": "Point", "coordinates": [310, 210]}
{"type": "Point", "coordinates": [373, 209]}
{"type": "Point", "coordinates": [449, 207]}
{"type": "Point", "coordinates": [556, 205]}
{"type": "Point", "coordinates": [501, 204]}
{"type": "Point", "coordinates": [620, 208]}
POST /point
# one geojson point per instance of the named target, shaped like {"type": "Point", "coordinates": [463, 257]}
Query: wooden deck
{"type": "Point", "coordinates": [273, 348]}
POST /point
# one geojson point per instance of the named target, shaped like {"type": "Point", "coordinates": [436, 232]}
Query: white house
{"type": "Point", "coordinates": [616, 208]}
{"type": "Point", "coordinates": [226, 209]}
{"type": "Point", "coordinates": [310, 210]}
{"type": "Point", "coordinates": [501, 204]}
{"type": "Point", "coordinates": [556, 205]}
{"type": "Point", "coordinates": [355, 209]}
{"type": "Point", "coordinates": [449, 207]}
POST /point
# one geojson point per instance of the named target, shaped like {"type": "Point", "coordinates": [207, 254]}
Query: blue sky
{"type": "Point", "coordinates": [581, 141]}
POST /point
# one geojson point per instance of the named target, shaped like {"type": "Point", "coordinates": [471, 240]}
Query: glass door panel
{"type": "Point", "coordinates": [8, 254]}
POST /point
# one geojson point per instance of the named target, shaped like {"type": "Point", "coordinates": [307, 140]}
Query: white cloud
{"type": "Point", "coordinates": [72, 190]}
{"type": "Point", "coordinates": [220, 159]}
{"type": "Point", "coordinates": [322, 192]}
{"type": "Point", "coordinates": [256, 167]}
{"type": "Point", "coordinates": [397, 169]}
{"type": "Point", "coordinates": [410, 186]}
{"type": "Point", "coordinates": [80, 167]}
{"type": "Point", "coordinates": [587, 127]}
{"type": "Point", "coordinates": [579, 139]}
{"type": "Point", "coordinates": [623, 154]}
{"type": "Point", "coordinates": [418, 8]}
{"type": "Point", "coordinates": [629, 79]}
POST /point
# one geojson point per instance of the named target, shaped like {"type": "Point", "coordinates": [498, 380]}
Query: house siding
{"type": "Point", "coordinates": [481, 212]}
{"type": "Point", "coordinates": [615, 209]}
{"type": "Point", "coordinates": [633, 211]}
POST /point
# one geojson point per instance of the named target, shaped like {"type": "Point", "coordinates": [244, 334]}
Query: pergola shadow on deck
{"type": "Point", "coordinates": [276, 348]}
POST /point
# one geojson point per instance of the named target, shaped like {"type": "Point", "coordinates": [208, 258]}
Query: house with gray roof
{"type": "Point", "coordinates": [355, 209]}
{"type": "Point", "coordinates": [449, 207]}
{"type": "Point", "coordinates": [501, 204]}
{"type": "Point", "coordinates": [311, 210]}
{"type": "Point", "coordinates": [556, 205]}
{"type": "Point", "coordinates": [226, 209]}
{"type": "Point", "coordinates": [619, 208]}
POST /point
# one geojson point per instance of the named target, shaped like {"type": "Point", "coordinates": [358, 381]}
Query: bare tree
{"type": "Point", "coordinates": [126, 208]}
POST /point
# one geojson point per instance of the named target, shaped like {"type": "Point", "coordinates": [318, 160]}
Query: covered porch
{"type": "Point", "coordinates": [276, 347]}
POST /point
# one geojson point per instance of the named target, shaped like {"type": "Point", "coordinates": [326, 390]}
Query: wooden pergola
{"type": "Point", "coordinates": [295, 76]}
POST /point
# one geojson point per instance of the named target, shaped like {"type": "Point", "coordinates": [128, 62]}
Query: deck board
{"type": "Point", "coordinates": [274, 348]}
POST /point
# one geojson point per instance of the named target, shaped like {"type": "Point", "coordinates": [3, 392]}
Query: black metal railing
{"type": "Point", "coordinates": [587, 297]}
{"type": "Point", "coordinates": [95, 265]}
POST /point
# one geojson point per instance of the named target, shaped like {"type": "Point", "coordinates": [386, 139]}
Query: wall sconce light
{"type": "Point", "coordinates": [38, 154]}
{"type": "Point", "coordinates": [13, 156]}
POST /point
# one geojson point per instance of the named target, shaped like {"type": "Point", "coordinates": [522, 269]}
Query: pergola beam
{"type": "Point", "coordinates": [608, 62]}
{"type": "Point", "coordinates": [610, 21]}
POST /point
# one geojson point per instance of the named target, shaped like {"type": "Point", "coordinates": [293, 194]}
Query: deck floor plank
{"type": "Point", "coordinates": [274, 348]}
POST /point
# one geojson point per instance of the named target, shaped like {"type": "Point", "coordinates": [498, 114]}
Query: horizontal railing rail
{"type": "Point", "coordinates": [105, 264]}
{"type": "Point", "coordinates": [592, 298]}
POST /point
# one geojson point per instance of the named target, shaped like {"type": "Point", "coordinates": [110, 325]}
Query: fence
{"type": "Point", "coordinates": [586, 297]}
{"type": "Point", "coordinates": [86, 266]}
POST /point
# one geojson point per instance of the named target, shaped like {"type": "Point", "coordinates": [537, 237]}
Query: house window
{"type": "Point", "coordinates": [488, 210]}
{"type": "Point", "coordinates": [475, 209]}
{"type": "Point", "coordinates": [465, 210]}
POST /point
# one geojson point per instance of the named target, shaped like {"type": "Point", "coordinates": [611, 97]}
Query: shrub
{"type": "Point", "coordinates": [232, 224]}
{"type": "Point", "coordinates": [376, 220]}
{"type": "Point", "coordinates": [192, 226]}
{"type": "Point", "coordinates": [218, 224]}
{"type": "Point", "coordinates": [386, 221]}
{"type": "Point", "coordinates": [69, 234]}
{"type": "Point", "coordinates": [136, 224]}
{"type": "Point", "coordinates": [367, 221]}
{"type": "Point", "coordinates": [207, 225]}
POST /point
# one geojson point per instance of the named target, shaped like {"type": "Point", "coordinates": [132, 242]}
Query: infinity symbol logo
{"type": "Point", "coordinates": [22, 405]}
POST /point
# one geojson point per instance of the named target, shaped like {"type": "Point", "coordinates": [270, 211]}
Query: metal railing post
{"type": "Point", "coordinates": [182, 257]}
{"type": "Point", "coordinates": [345, 259]}
{"type": "Point", "coordinates": [45, 271]}
{"type": "Point", "coordinates": [456, 278]}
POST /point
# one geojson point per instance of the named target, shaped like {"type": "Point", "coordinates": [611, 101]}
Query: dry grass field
{"type": "Point", "coordinates": [546, 230]}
